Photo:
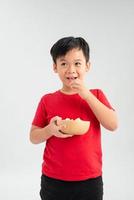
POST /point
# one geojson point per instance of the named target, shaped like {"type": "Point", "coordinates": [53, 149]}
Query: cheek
{"type": "Point", "coordinates": [61, 75]}
{"type": "Point", "coordinates": [82, 72]}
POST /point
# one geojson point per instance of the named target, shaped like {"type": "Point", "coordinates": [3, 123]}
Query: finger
{"type": "Point", "coordinates": [55, 119]}
{"type": "Point", "coordinates": [75, 87]}
{"type": "Point", "coordinates": [61, 135]}
{"type": "Point", "coordinates": [74, 84]}
{"type": "Point", "coordinates": [59, 121]}
{"type": "Point", "coordinates": [62, 126]}
{"type": "Point", "coordinates": [76, 81]}
{"type": "Point", "coordinates": [67, 136]}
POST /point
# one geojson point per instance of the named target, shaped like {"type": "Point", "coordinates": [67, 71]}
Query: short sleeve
{"type": "Point", "coordinates": [40, 115]}
{"type": "Point", "coordinates": [101, 96]}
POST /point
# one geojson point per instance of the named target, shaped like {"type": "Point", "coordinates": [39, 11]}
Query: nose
{"type": "Point", "coordinates": [71, 69]}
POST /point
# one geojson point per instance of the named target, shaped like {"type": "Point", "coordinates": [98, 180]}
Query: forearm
{"type": "Point", "coordinates": [39, 135]}
{"type": "Point", "coordinates": [106, 116]}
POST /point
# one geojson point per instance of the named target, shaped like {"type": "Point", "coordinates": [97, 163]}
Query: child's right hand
{"type": "Point", "coordinates": [55, 126]}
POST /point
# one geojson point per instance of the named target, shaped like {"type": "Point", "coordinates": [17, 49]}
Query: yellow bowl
{"type": "Point", "coordinates": [75, 127]}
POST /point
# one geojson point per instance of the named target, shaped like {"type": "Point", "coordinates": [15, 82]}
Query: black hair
{"type": "Point", "coordinates": [62, 46]}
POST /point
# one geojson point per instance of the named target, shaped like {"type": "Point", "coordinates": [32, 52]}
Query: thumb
{"type": "Point", "coordinates": [55, 119]}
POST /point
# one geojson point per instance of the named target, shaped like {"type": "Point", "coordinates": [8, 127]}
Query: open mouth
{"type": "Point", "coordinates": [71, 78]}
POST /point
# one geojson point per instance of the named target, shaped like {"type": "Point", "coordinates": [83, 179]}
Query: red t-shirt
{"type": "Point", "coordinates": [76, 158]}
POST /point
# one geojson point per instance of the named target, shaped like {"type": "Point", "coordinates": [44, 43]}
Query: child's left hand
{"type": "Point", "coordinates": [79, 87]}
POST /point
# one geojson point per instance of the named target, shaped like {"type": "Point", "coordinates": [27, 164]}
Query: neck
{"type": "Point", "coordinates": [67, 91]}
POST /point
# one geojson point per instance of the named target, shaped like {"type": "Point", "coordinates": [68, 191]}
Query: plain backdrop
{"type": "Point", "coordinates": [28, 29]}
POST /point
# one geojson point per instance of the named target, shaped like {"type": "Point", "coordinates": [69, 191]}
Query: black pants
{"type": "Point", "coordinates": [53, 189]}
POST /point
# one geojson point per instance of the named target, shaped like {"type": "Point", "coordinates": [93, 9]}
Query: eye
{"type": "Point", "coordinates": [77, 64]}
{"type": "Point", "coordinates": [63, 64]}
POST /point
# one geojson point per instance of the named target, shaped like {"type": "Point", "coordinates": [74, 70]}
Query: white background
{"type": "Point", "coordinates": [28, 29]}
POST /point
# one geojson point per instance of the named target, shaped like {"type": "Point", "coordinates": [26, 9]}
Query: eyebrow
{"type": "Point", "coordinates": [62, 59]}
{"type": "Point", "coordinates": [78, 60]}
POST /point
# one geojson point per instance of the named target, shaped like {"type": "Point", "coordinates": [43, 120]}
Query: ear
{"type": "Point", "coordinates": [88, 65]}
{"type": "Point", "coordinates": [55, 67]}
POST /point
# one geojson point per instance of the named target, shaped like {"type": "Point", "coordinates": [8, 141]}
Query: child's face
{"type": "Point", "coordinates": [71, 67]}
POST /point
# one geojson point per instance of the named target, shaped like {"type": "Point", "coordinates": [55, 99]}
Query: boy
{"type": "Point", "coordinates": [72, 166]}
